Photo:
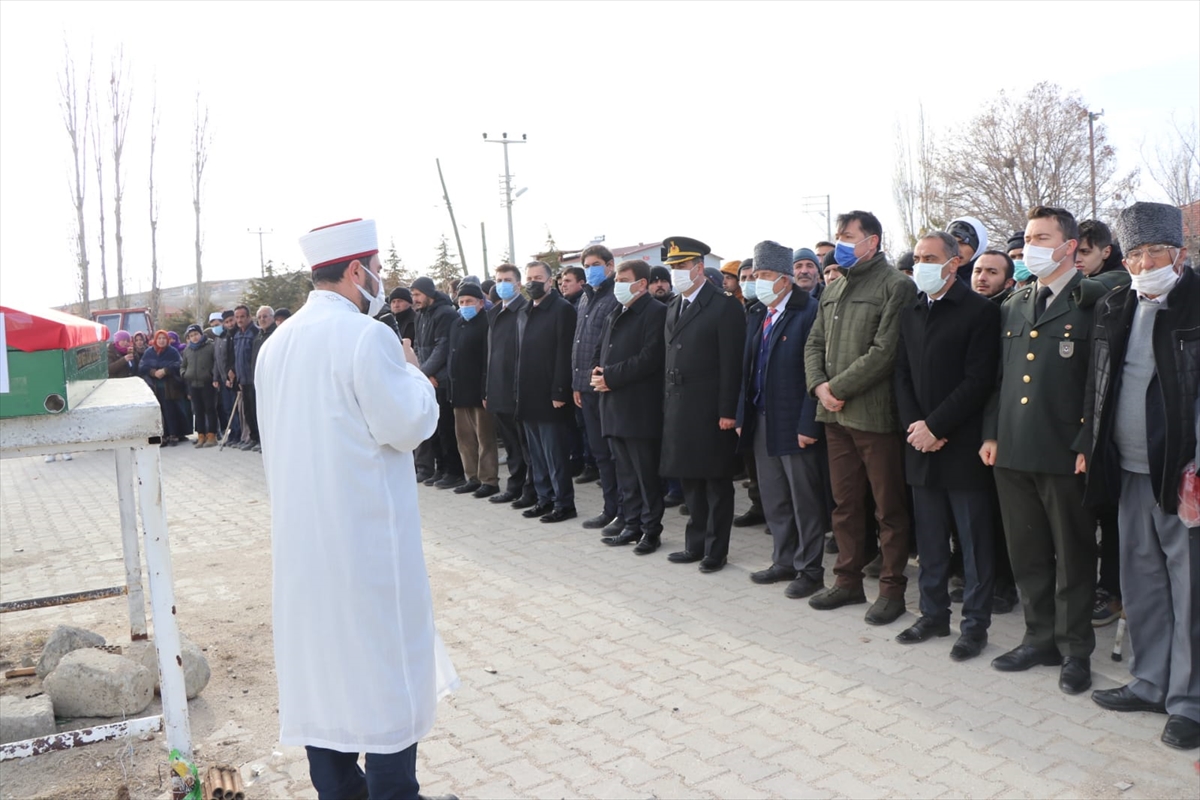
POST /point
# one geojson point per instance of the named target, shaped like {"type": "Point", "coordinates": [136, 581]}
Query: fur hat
{"type": "Point", "coordinates": [772, 257]}
{"type": "Point", "coordinates": [1149, 223]}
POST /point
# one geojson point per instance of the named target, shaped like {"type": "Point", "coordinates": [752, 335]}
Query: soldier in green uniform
{"type": "Point", "coordinates": [1033, 435]}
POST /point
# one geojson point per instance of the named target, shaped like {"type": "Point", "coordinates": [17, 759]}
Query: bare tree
{"type": "Point", "coordinates": [919, 199]}
{"type": "Point", "coordinates": [1175, 165]}
{"type": "Point", "coordinates": [155, 296]}
{"type": "Point", "coordinates": [1019, 153]}
{"type": "Point", "coordinates": [120, 95]}
{"type": "Point", "coordinates": [76, 121]}
{"type": "Point", "coordinates": [98, 156]}
{"type": "Point", "coordinates": [201, 139]}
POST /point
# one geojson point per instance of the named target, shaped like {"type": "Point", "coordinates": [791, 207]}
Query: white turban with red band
{"type": "Point", "coordinates": [341, 241]}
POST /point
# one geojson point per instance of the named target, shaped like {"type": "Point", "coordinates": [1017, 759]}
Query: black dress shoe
{"type": "Point", "coordinates": [672, 500]}
{"type": "Point", "coordinates": [773, 574]}
{"type": "Point", "coordinates": [1076, 675]}
{"type": "Point", "coordinates": [1181, 733]}
{"type": "Point", "coordinates": [1024, 657]}
{"type": "Point", "coordinates": [451, 482]}
{"type": "Point", "coordinates": [434, 478]}
{"type": "Point", "coordinates": [504, 497]}
{"type": "Point", "coordinates": [536, 510]}
{"type": "Point", "coordinates": [597, 522]}
{"type": "Point", "coordinates": [613, 528]}
{"type": "Point", "coordinates": [684, 557]}
{"type": "Point", "coordinates": [709, 564]}
{"type": "Point", "coordinates": [560, 514]}
{"type": "Point", "coordinates": [648, 544]}
{"type": "Point", "coordinates": [752, 517]}
{"type": "Point", "coordinates": [836, 597]}
{"type": "Point", "coordinates": [968, 646]}
{"type": "Point", "coordinates": [627, 536]}
{"type": "Point", "coordinates": [423, 476]}
{"type": "Point", "coordinates": [802, 587]}
{"type": "Point", "coordinates": [924, 628]}
{"type": "Point", "coordinates": [589, 475]}
{"type": "Point", "coordinates": [684, 510]}
{"type": "Point", "coordinates": [485, 490]}
{"type": "Point", "coordinates": [1123, 699]}
{"type": "Point", "coordinates": [468, 487]}
{"type": "Point", "coordinates": [525, 502]}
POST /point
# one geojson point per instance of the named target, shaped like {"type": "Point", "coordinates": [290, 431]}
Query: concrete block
{"type": "Point", "coordinates": [25, 718]}
{"type": "Point", "coordinates": [63, 641]}
{"type": "Point", "coordinates": [92, 683]}
{"type": "Point", "coordinates": [196, 672]}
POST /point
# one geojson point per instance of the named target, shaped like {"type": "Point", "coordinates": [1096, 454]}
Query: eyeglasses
{"type": "Point", "coordinates": [1155, 251]}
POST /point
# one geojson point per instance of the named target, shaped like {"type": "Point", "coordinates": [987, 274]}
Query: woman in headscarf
{"type": "Point", "coordinates": [122, 363]}
{"type": "Point", "coordinates": [160, 367]}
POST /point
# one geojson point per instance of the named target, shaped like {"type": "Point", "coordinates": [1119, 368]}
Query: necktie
{"type": "Point", "coordinates": [767, 323]}
{"type": "Point", "coordinates": [1043, 298]}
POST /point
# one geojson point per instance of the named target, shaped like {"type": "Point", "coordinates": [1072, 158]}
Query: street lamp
{"type": "Point", "coordinates": [1092, 117]}
{"type": "Point", "coordinates": [508, 192]}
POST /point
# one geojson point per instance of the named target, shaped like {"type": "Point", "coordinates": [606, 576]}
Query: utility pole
{"type": "Point", "coordinates": [812, 205]}
{"type": "Point", "coordinates": [462, 255]}
{"type": "Point", "coordinates": [508, 193]}
{"type": "Point", "coordinates": [1092, 117]}
{"type": "Point", "coordinates": [262, 265]}
{"type": "Point", "coordinates": [483, 236]}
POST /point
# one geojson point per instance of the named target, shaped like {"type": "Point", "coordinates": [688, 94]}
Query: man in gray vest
{"type": "Point", "coordinates": [1141, 420]}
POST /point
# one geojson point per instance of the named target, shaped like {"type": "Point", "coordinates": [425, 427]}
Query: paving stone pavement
{"type": "Point", "coordinates": [592, 672]}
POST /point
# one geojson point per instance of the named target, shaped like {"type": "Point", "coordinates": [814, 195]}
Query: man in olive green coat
{"type": "Point", "coordinates": [1033, 436]}
{"type": "Point", "coordinates": [849, 362]}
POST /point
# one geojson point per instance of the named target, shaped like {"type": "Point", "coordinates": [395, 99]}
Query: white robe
{"type": "Point", "coordinates": [359, 662]}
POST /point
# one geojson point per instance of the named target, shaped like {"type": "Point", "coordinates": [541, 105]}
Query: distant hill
{"type": "Point", "coordinates": [222, 294]}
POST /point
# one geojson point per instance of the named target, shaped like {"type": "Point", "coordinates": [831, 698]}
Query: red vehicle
{"type": "Point", "coordinates": [134, 320]}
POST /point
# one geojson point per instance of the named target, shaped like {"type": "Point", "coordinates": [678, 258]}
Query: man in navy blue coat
{"type": "Point", "coordinates": [777, 419]}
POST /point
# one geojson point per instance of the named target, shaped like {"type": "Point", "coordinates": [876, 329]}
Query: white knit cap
{"type": "Point", "coordinates": [341, 241]}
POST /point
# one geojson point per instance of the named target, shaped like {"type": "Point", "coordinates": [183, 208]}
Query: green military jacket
{"type": "Point", "coordinates": [1036, 413]}
{"type": "Point", "coordinates": [853, 344]}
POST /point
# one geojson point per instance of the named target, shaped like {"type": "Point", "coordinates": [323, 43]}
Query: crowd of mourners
{"type": "Point", "coordinates": [1020, 418]}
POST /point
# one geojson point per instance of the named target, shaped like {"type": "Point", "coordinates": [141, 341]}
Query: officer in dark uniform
{"type": "Point", "coordinates": [705, 330]}
{"type": "Point", "coordinates": [1033, 435]}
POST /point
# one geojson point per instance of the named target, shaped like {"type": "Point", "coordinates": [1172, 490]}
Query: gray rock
{"type": "Point", "coordinates": [196, 672]}
{"type": "Point", "coordinates": [22, 718]}
{"type": "Point", "coordinates": [92, 683]}
{"type": "Point", "coordinates": [63, 641]}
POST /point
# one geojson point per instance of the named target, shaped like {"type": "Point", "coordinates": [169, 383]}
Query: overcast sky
{"type": "Point", "coordinates": [645, 120]}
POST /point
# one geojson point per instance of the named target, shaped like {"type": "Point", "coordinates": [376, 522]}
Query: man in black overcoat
{"type": "Point", "coordinates": [628, 380]}
{"type": "Point", "coordinates": [500, 396]}
{"type": "Point", "coordinates": [704, 333]}
{"type": "Point", "coordinates": [945, 373]}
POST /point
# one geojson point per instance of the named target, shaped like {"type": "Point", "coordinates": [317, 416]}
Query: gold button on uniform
{"type": "Point", "coordinates": [1024, 400]}
{"type": "Point", "coordinates": [1033, 334]}
{"type": "Point", "coordinates": [1029, 356]}
{"type": "Point", "coordinates": [1026, 379]}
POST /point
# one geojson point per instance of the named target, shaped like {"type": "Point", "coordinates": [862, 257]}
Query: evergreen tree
{"type": "Point", "coordinates": [444, 270]}
{"type": "Point", "coordinates": [551, 253]}
{"type": "Point", "coordinates": [394, 272]}
{"type": "Point", "coordinates": [282, 288]}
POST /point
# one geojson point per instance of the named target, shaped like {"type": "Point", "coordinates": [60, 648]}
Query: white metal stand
{"type": "Point", "coordinates": [123, 416]}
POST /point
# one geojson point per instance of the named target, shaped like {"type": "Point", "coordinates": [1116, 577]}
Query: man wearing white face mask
{"type": "Point", "coordinates": [704, 332]}
{"type": "Point", "coordinates": [1032, 439]}
{"type": "Point", "coordinates": [359, 662]}
{"type": "Point", "coordinates": [777, 423]}
{"type": "Point", "coordinates": [945, 373]}
{"type": "Point", "coordinates": [1141, 441]}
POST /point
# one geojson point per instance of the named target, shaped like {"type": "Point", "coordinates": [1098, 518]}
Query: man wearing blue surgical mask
{"type": "Point", "coordinates": [474, 428]}
{"type": "Point", "coordinates": [500, 395]}
{"type": "Point", "coordinates": [591, 312]}
{"type": "Point", "coordinates": [849, 362]}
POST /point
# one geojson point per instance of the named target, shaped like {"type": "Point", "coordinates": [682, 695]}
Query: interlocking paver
{"type": "Point", "coordinates": [611, 674]}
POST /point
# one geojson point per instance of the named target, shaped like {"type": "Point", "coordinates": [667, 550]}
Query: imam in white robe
{"type": "Point", "coordinates": [359, 661]}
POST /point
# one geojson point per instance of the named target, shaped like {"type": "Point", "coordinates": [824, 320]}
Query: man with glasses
{"type": "Point", "coordinates": [1140, 436]}
{"type": "Point", "coordinates": [1032, 439]}
{"type": "Point", "coordinates": [849, 364]}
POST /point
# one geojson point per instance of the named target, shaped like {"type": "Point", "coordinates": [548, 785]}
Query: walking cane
{"type": "Point", "coordinates": [233, 414]}
{"type": "Point", "coordinates": [1116, 651]}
